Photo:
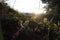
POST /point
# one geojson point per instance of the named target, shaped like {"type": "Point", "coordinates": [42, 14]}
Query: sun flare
{"type": "Point", "coordinates": [40, 11]}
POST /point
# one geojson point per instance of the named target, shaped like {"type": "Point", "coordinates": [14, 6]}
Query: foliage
{"type": "Point", "coordinates": [29, 26]}
{"type": "Point", "coordinates": [53, 9]}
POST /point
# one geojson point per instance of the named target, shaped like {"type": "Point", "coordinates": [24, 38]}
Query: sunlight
{"type": "Point", "coordinates": [27, 6]}
{"type": "Point", "coordinates": [40, 11]}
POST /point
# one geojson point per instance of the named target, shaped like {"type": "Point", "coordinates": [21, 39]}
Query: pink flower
{"type": "Point", "coordinates": [15, 35]}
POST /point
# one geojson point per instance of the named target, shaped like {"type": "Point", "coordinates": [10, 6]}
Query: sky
{"type": "Point", "coordinates": [27, 6]}
{"type": "Point", "coordinates": [0, 0]}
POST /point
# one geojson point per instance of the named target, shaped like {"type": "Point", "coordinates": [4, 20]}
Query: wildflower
{"type": "Point", "coordinates": [45, 20]}
{"type": "Point", "coordinates": [15, 34]}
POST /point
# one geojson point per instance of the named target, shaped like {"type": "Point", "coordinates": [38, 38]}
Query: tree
{"type": "Point", "coordinates": [53, 12]}
{"type": "Point", "coordinates": [53, 9]}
